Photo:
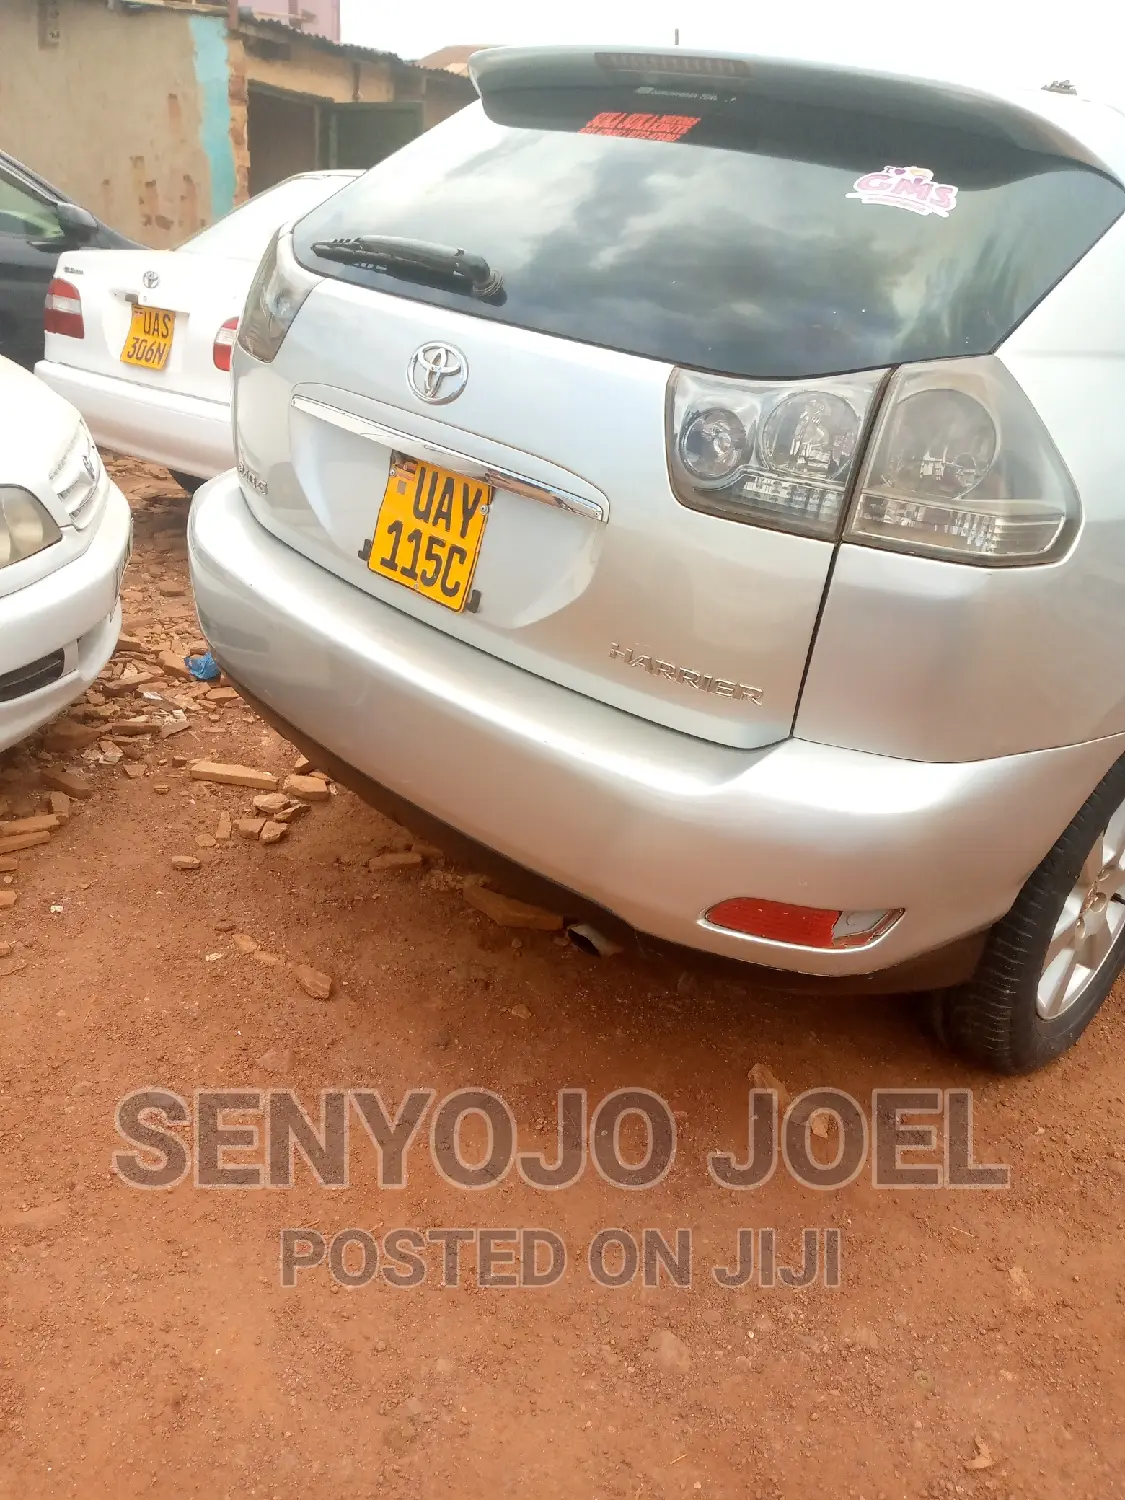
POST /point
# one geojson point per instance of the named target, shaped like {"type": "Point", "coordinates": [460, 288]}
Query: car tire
{"type": "Point", "coordinates": [189, 483]}
{"type": "Point", "coordinates": [1050, 963]}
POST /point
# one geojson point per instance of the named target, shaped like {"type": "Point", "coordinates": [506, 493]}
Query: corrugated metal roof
{"type": "Point", "coordinates": [251, 24]}
{"type": "Point", "coordinates": [453, 59]}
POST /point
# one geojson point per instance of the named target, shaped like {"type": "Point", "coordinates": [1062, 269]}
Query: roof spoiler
{"type": "Point", "coordinates": [823, 86]}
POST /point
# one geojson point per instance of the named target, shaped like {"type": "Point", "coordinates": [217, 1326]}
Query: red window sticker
{"type": "Point", "coordinates": [912, 188]}
{"type": "Point", "coordinates": [640, 127]}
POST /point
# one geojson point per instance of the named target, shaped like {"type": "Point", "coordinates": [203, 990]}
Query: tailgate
{"type": "Point", "coordinates": [616, 590]}
{"type": "Point", "coordinates": [663, 292]}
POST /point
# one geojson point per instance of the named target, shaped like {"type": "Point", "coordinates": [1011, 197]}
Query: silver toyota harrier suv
{"type": "Point", "coordinates": [698, 482]}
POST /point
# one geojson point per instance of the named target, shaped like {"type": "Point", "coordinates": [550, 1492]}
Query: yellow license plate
{"type": "Point", "coordinates": [150, 338]}
{"type": "Point", "coordinates": [429, 530]}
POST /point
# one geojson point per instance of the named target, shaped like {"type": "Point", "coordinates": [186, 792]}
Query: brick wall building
{"type": "Point", "coordinates": [160, 116]}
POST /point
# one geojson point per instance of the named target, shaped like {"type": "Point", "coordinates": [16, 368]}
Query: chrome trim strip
{"type": "Point", "coordinates": [504, 479]}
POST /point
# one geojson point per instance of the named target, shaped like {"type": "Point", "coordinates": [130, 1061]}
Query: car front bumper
{"type": "Point", "coordinates": [186, 433]}
{"type": "Point", "coordinates": [76, 611]}
{"type": "Point", "coordinates": [653, 825]}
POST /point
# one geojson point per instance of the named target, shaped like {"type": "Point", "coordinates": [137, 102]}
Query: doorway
{"type": "Point", "coordinates": [289, 133]}
{"type": "Point", "coordinates": [282, 136]}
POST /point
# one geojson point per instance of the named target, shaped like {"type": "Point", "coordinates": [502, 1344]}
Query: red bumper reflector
{"type": "Point", "coordinates": [800, 926]}
{"type": "Point", "coordinates": [806, 926]}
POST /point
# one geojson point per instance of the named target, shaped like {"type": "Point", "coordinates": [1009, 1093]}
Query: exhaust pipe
{"type": "Point", "coordinates": [591, 941]}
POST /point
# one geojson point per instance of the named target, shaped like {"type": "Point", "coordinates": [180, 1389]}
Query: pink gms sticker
{"type": "Point", "coordinates": [912, 188]}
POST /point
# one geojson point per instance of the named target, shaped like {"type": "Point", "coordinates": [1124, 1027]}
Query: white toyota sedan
{"type": "Point", "coordinates": [140, 340]}
{"type": "Point", "coordinates": [65, 533]}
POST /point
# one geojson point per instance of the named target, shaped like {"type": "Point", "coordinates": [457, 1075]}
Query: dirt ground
{"type": "Point", "coordinates": [974, 1346]}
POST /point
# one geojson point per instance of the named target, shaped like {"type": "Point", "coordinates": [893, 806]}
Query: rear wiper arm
{"type": "Point", "coordinates": [411, 258]}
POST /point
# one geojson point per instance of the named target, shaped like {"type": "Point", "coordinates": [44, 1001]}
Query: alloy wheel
{"type": "Point", "coordinates": [1091, 919]}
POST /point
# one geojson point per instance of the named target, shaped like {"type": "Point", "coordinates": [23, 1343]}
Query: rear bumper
{"type": "Point", "coordinates": [181, 432]}
{"type": "Point", "coordinates": [650, 824]}
{"type": "Point", "coordinates": [74, 610]}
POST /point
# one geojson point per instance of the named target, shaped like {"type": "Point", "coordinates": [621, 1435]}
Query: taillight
{"type": "Point", "coordinates": [958, 465]}
{"type": "Point", "coordinates": [769, 454]}
{"type": "Point", "coordinates": [276, 296]}
{"type": "Point", "coordinates": [62, 310]}
{"type": "Point", "coordinates": [961, 467]}
{"type": "Point", "coordinates": [223, 346]}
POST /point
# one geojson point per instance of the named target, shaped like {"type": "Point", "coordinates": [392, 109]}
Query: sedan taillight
{"type": "Point", "coordinates": [62, 310]}
{"type": "Point", "coordinates": [224, 344]}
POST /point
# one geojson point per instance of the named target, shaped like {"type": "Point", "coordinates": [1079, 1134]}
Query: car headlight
{"type": "Point", "coordinates": [25, 526]}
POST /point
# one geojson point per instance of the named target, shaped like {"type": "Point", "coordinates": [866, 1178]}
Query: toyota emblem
{"type": "Point", "coordinates": [151, 279]}
{"type": "Point", "coordinates": [437, 373]}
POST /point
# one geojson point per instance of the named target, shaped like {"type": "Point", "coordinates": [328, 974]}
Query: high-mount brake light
{"type": "Point", "coordinates": [675, 64]}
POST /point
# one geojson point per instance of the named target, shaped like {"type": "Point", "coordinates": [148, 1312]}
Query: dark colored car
{"type": "Point", "coordinates": [37, 223]}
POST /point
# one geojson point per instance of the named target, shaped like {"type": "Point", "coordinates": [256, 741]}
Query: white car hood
{"type": "Point", "coordinates": [36, 429]}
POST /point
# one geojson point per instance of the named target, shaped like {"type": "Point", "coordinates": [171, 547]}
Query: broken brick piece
{"type": "Point", "coordinates": [402, 860]}
{"type": "Point", "coordinates": [69, 736]}
{"type": "Point", "coordinates": [174, 664]}
{"type": "Point", "coordinates": [306, 788]}
{"type": "Point", "coordinates": [23, 841]}
{"type": "Point", "coordinates": [270, 802]}
{"type": "Point", "coordinates": [287, 814]}
{"type": "Point", "coordinates": [43, 823]}
{"type": "Point", "coordinates": [73, 783]}
{"type": "Point", "coordinates": [225, 775]}
{"type": "Point", "coordinates": [510, 913]}
{"type": "Point", "coordinates": [133, 726]}
{"type": "Point", "coordinates": [313, 982]}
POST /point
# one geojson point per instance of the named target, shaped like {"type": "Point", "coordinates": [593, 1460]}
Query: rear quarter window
{"type": "Point", "coordinates": [726, 232]}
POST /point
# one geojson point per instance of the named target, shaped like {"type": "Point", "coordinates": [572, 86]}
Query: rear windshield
{"type": "Point", "coordinates": [731, 234]}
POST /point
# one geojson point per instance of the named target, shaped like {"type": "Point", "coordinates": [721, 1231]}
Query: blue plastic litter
{"type": "Point", "coordinates": [205, 668]}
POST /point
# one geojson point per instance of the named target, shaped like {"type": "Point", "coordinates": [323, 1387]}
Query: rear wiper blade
{"type": "Point", "coordinates": [414, 258]}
